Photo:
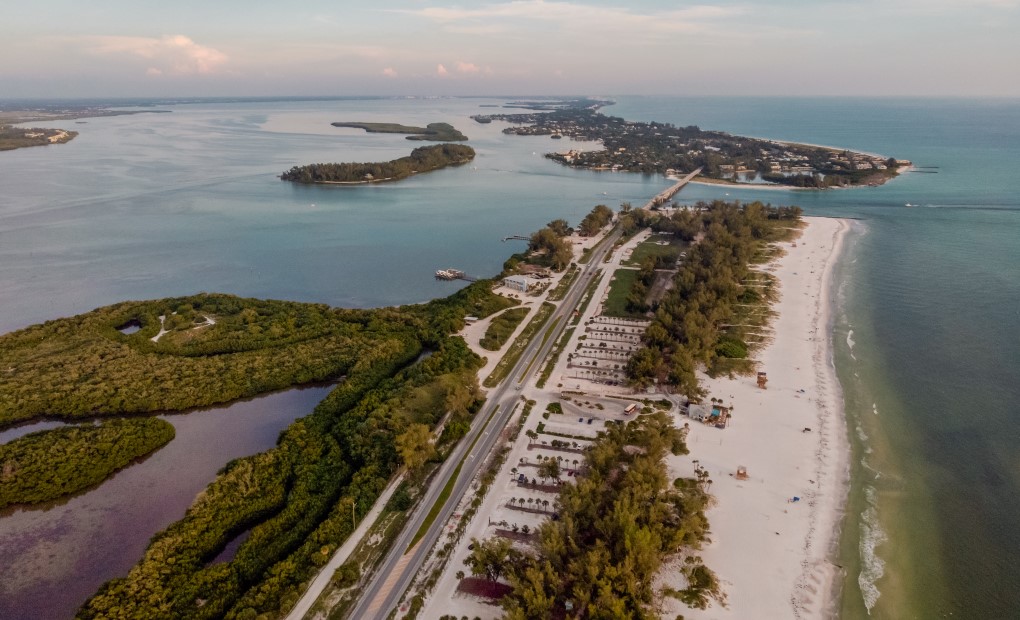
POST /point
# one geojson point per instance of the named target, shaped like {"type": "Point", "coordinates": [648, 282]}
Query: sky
{"type": "Point", "coordinates": [144, 48]}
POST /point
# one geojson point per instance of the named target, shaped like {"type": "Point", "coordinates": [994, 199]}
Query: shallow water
{"type": "Point", "coordinates": [54, 556]}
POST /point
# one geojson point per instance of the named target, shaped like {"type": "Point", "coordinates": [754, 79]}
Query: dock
{"type": "Point", "coordinates": [516, 238]}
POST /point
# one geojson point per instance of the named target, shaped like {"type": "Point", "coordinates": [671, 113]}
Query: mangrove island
{"type": "Point", "coordinates": [436, 132]}
{"type": "Point", "coordinates": [421, 159]}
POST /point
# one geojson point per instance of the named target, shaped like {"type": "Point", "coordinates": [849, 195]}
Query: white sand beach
{"type": "Point", "coordinates": [774, 555]}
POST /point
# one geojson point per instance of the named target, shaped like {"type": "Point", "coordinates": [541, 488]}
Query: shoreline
{"type": "Point", "coordinates": [775, 557]}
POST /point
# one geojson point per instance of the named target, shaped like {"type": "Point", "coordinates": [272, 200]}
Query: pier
{"type": "Point", "coordinates": [516, 238]}
{"type": "Point", "coordinates": [664, 196]}
{"type": "Point", "coordinates": [454, 274]}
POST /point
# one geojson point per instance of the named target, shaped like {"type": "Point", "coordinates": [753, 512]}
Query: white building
{"type": "Point", "coordinates": [518, 283]}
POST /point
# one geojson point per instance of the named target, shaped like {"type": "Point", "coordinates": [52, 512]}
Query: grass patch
{"type": "Point", "coordinates": [554, 356]}
{"type": "Point", "coordinates": [501, 328]}
{"type": "Point", "coordinates": [651, 249]}
{"type": "Point", "coordinates": [568, 278]}
{"type": "Point", "coordinates": [619, 289]}
{"type": "Point", "coordinates": [510, 358]}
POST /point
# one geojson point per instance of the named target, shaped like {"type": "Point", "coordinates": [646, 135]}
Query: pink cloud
{"type": "Point", "coordinates": [174, 54]}
{"type": "Point", "coordinates": [389, 72]}
{"type": "Point", "coordinates": [441, 70]}
{"type": "Point", "coordinates": [467, 67]}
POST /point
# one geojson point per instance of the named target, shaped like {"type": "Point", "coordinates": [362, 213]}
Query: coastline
{"type": "Point", "coordinates": [775, 557]}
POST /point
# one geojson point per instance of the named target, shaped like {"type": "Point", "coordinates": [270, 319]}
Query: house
{"type": "Point", "coordinates": [699, 412]}
{"type": "Point", "coordinates": [517, 283]}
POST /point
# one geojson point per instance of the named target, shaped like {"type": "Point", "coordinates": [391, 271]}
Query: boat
{"type": "Point", "coordinates": [910, 205]}
{"type": "Point", "coordinates": [449, 274]}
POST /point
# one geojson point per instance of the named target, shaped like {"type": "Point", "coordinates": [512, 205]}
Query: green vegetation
{"type": "Point", "coordinates": [663, 148]}
{"type": "Point", "coordinates": [595, 221]}
{"type": "Point", "coordinates": [550, 249]}
{"type": "Point", "coordinates": [90, 369]}
{"type": "Point", "coordinates": [501, 327]}
{"type": "Point", "coordinates": [663, 256]}
{"type": "Point", "coordinates": [616, 527]}
{"type": "Point", "coordinates": [47, 465]}
{"type": "Point", "coordinates": [438, 132]}
{"type": "Point", "coordinates": [694, 322]}
{"type": "Point", "coordinates": [422, 159]}
{"type": "Point", "coordinates": [560, 291]}
{"type": "Point", "coordinates": [513, 354]}
{"type": "Point", "coordinates": [297, 498]}
{"type": "Point", "coordinates": [19, 137]}
{"type": "Point", "coordinates": [554, 355]}
{"type": "Point", "coordinates": [619, 296]}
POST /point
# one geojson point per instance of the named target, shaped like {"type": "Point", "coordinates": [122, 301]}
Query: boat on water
{"type": "Point", "coordinates": [910, 205]}
{"type": "Point", "coordinates": [449, 274]}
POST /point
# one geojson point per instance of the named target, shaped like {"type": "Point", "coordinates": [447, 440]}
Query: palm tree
{"type": "Point", "coordinates": [513, 501]}
{"type": "Point", "coordinates": [514, 528]}
{"type": "Point", "coordinates": [545, 504]}
{"type": "Point", "coordinates": [530, 502]}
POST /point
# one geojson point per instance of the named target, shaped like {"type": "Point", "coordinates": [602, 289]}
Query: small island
{"type": "Point", "coordinates": [422, 159]}
{"type": "Point", "coordinates": [18, 137]}
{"type": "Point", "coordinates": [670, 150]}
{"type": "Point", "coordinates": [436, 132]}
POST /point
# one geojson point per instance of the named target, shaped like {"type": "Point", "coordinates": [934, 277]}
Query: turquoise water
{"type": "Point", "coordinates": [153, 205]}
{"type": "Point", "coordinates": [931, 370]}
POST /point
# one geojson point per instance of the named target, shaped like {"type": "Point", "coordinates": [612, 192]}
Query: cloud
{"type": "Point", "coordinates": [467, 67]}
{"type": "Point", "coordinates": [389, 72]}
{"type": "Point", "coordinates": [441, 70]}
{"type": "Point", "coordinates": [173, 54]}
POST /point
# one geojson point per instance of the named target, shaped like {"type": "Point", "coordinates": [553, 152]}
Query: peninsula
{"type": "Point", "coordinates": [664, 148]}
{"type": "Point", "coordinates": [17, 137]}
{"type": "Point", "coordinates": [437, 132]}
{"type": "Point", "coordinates": [422, 159]}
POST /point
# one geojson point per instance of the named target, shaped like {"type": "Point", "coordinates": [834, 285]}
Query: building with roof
{"type": "Point", "coordinates": [518, 283]}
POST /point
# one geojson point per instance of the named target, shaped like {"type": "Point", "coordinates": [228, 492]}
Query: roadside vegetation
{"type": "Point", "coordinates": [421, 159]}
{"type": "Point", "coordinates": [505, 365]}
{"type": "Point", "coordinates": [48, 465]}
{"type": "Point", "coordinates": [614, 529]}
{"type": "Point", "coordinates": [501, 327]}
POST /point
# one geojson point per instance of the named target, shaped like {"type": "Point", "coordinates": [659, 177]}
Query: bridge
{"type": "Point", "coordinates": [664, 196]}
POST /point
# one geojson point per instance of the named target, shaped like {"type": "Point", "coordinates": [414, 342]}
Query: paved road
{"type": "Point", "coordinates": [397, 571]}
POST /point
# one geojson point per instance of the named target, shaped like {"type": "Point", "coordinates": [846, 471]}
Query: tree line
{"type": "Point", "coordinates": [687, 328]}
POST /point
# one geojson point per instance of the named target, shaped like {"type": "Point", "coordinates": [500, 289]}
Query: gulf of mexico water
{"type": "Point", "coordinates": [927, 340]}
{"type": "Point", "coordinates": [153, 205]}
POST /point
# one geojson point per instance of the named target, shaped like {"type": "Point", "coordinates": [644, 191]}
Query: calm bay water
{"type": "Point", "coordinates": [153, 205]}
{"type": "Point", "coordinates": [54, 556]}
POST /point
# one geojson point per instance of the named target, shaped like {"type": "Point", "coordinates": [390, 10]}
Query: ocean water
{"type": "Point", "coordinates": [927, 337]}
{"type": "Point", "coordinates": [927, 341]}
